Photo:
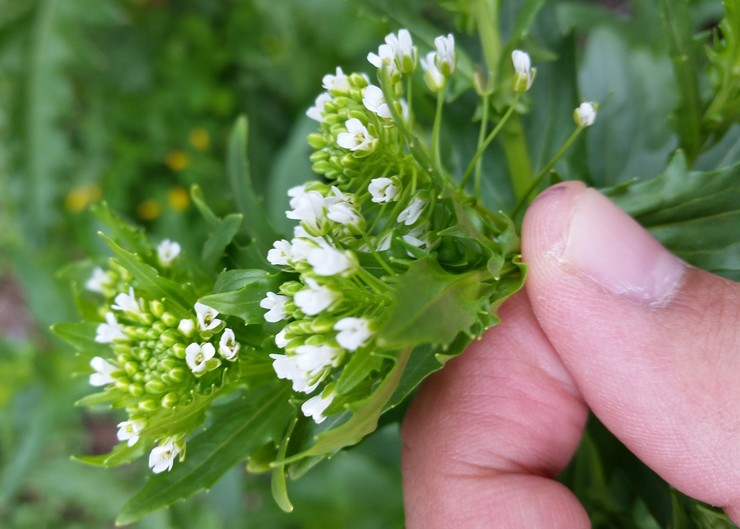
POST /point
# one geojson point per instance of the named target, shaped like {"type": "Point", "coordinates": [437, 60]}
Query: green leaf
{"type": "Point", "coordinates": [237, 429]}
{"type": "Point", "coordinates": [81, 336]}
{"type": "Point", "coordinates": [121, 453]}
{"type": "Point", "coordinates": [431, 305]}
{"type": "Point", "coordinates": [178, 295]}
{"type": "Point", "coordinates": [222, 235]}
{"type": "Point", "coordinates": [694, 214]}
{"type": "Point", "coordinates": [243, 303]}
{"type": "Point", "coordinates": [129, 236]}
{"type": "Point", "coordinates": [249, 204]}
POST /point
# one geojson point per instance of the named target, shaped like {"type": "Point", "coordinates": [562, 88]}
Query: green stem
{"type": "Point", "coordinates": [482, 147]}
{"type": "Point", "coordinates": [436, 129]}
{"type": "Point", "coordinates": [481, 139]}
{"type": "Point", "coordinates": [486, 14]}
{"type": "Point", "coordinates": [546, 170]}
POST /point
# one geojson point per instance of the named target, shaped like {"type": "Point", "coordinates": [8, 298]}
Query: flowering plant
{"type": "Point", "coordinates": [281, 349]}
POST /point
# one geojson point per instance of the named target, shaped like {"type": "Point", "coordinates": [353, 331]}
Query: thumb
{"type": "Point", "coordinates": [652, 344]}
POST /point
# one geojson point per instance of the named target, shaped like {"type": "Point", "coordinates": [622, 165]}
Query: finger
{"type": "Point", "coordinates": [652, 344]}
{"type": "Point", "coordinates": [485, 436]}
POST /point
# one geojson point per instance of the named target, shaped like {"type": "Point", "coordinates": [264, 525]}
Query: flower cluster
{"type": "Point", "coordinates": [159, 363]}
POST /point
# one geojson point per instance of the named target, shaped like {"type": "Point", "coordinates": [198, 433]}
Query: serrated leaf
{"type": "Point", "coordinates": [244, 303]}
{"type": "Point", "coordinates": [431, 305]}
{"type": "Point", "coordinates": [149, 280]}
{"type": "Point", "coordinates": [694, 214]}
{"type": "Point", "coordinates": [237, 429]}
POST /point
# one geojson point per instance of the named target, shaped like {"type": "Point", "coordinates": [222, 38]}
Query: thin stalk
{"type": "Point", "coordinates": [436, 130]}
{"type": "Point", "coordinates": [481, 139]}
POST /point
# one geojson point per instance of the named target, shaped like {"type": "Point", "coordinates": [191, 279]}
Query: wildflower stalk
{"type": "Point", "coordinates": [436, 131]}
{"type": "Point", "coordinates": [481, 139]}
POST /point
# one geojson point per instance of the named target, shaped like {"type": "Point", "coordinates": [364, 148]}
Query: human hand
{"type": "Point", "coordinates": [610, 322]}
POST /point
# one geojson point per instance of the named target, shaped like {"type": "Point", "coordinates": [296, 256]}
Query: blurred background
{"type": "Point", "coordinates": [133, 101]}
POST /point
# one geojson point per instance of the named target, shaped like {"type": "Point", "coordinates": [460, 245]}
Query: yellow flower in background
{"type": "Point", "coordinates": [148, 209]}
{"type": "Point", "coordinates": [200, 139]}
{"type": "Point", "coordinates": [178, 198]}
{"type": "Point", "coordinates": [177, 160]}
{"type": "Point", "coordinates": [80, 197]}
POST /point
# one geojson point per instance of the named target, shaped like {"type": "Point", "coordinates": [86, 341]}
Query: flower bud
{"type": "Point", "coordinates": [316, 140]}
{"type": "Point", "coordinates": [148, 405]}
{"type": "Point", "coordinates": [177, 374]}
{"type": "Point", "coordinates": [170, 400]}
{"type": "Point", "coordinates": [178, 350]}
{"type": "Point", "coordinates": [585, 114]}
{"type": "Point", "coordinates": [131, 368]}
{"type": "Point", "coordinates": [169, 320]}
{"type": "Point", "coordinates": [156, 307]}
{"type": "Point", "coordinates": [155, 387]}
{"type": "Point", "coordinates": [135, 390]}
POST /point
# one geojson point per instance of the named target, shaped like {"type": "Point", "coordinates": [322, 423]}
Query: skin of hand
{"type": "Point", "coordinates": [609, 321]}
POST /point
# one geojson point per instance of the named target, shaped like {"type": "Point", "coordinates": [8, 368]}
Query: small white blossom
{"type": "Point", "coordinates": [127, 302]}
{"type": "Point", "coordinates": [357, 137]}
{"type": "Point", "coordinates": [345, 213]}
{"type": "Point", "coordinates": [313, 358]}
{"type": "Point", "coordinates": [186, 327]}
{"type": "Point", "coordinates": [585, 114]}
{"type": "Point", "coordinates": [103, 370]}
{"type": "Point", "coordinates": [314, 299]}
{"type": "Point", "coordinates": [384, 243]}
{"type": "Point", "coordinates": [418, 237]}
{"type": "Point", "coordinates": [404, 50]}
{"type": "Point", "coordinates": [100, 281]}
{"type": "Point", "coordinates": [327, 261]}
{"type": "Point", "coordinates": [432, 76]}
{"type": "Point", "coordinates": [308, 208]}
{"type": "Point", "coordinates": [385, 58]}
{"type": "Point", "coordinates": [316, 112]}
{"type": "Point", "coordinates": [207, 320]}
{"type": "Point", "coordinates": [383, 190]}
{"type": "Point", "coordinates": [110, 331]}
{"type": "Point", "coordinates": [336, 83]}
{"type": "Point", "coordinates": [279, 255]}
{"type": "Point", "coordinates": [445, 57]}
{"type": "Point", "coordinates": [308, 366]}
{"type": "Point", "coordinates": [295, 192]}
{"type": "Point", "coordinates": [374, 101]}
{"type": "Point", "coordinates": [129, 431]}
{"type": "Point", "coordinates": [286, 368]}
{"type": "Point", "coordinates": [524, 74]}
{"type": "Point", "coordinates": [162, 457]}
{"type": "Point", "coordinates": [411, 214]}
{"type": "Point", "coordinates": [300, 248]}
{"type": "Point", "coordinates": [167, 252]}
{"type": "Point", "coordinates": [199, 357]}
{"type": "Point", "coordinates": [316, 406]}
{"type": "Point", "coordinates": [275, 305]}
{"type": "Point", "coordinates": [281, 340]}
{"type": "Point", "coordinates": [353, 332]}
{"type": "Point", "coordinates": [228, 347]}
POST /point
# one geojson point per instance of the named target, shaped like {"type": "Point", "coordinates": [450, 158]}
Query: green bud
{"type": "Point", "coordinates": [315, 340]}
{"type": "Point", "coordinates": [316, 140]}
{"type": "Point", "coordinates": [139, 377]}
{"type": "Point", "coordinates": [169, 319]}
{"type": "Point", "coordinates": [148, 405]}
{"type": "Point", "coordinates": [155, 386]}
{"type": "Point", "coordinates": [318, 156]}
{"type": "Point", "coordinates": [170, 400]}
{"type": "Point", "coordinates": [359, 114]}
{"type": "Point", "coordinates": [168, 339]}
{"type": "Point", "coordinates": [322, 324]}
{"type": "Point", "coordinates": [159, 327]}
{"type": "Point", "coordinates": [178, 350]}
{"type": "Point", "coordinates": [333, 119]}
{"type": "Point", "coordinates": [322, 167]}
{"type": "Point", "coordinates": [131, 368]}
{"type": "Point", "coordinates": [177, 374]}
{"type": "Point", "coordinates": [349, 161]}
{"type": "Point", "coordinates": [135, 390]}
{"type": "Point", "coordinates": [143, 354]}
{"type": "Point", "coordinates": [156, 308]}
{"type": "Point", "coordinates": [121, 349]}
{"type": "Point", "coordinates": [120, 385]}
{"type": "Point", "coordinates": [290, 288]}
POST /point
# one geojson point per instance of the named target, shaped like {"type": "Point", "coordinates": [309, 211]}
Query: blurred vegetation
{"type": "Point", "coordinates": [133, 100]}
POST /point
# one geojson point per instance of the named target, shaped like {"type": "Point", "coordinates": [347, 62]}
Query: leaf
{"type": "Point", "coordinates": [694, 214]}
{"type": "Point", "coordinates": [178, 295]}
{"type": "Point", "coordinates": [244, 303]}
{"type": "Point", "coordinates": [133, 238]}
{"type": "Point", "coordinates": [249, 204]}
{"type": "Point", "coordinates": [121, 453]}
{"type": "Point", "coordinates": [238, 428]}
{"type": "Point", "coordinates": [431, 305]}
{"type": "Point", "coordinates": [81, 336]}
{"type": "Point", "coordinates": [221, 236]}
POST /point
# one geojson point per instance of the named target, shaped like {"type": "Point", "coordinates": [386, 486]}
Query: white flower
{"type": "Point", "coordinates": [207, 320]}
{"type": "Point", "coordinates": [308, 207]}
{"type": "Point", "coordinates": [162, 457]}
{"type": "Point", "coordinates": [110, 331]}
{"type": "Point", "coordinates": [167, 251]}
{"type": "Point", "coordinates": [445, 58]}
{"type": "Point", "coordinates": [524, 74]}
{"type": "Point", "coordinates": [411, 214]}
{"type": "Point", "coordinates": [314, 358]}
{"type": "Point", "coordinates": [300, 248]}
{"type": "Point", "coordinates": [307, 367]}
{"type": "Point", "coordinates": [275, 305]}
{"type": "Point", "coordinates": [432, 76]}
{"type": "Point", "coordinates": [357, 138]}
{"type": "Point", "coordinates": [336, 83]}
{"type": "Point", "coordinates": [186, 327]}
{"type": "Point", "coordinates": [316, 112]}
{"type": "Point", "coordinates": [100, 281]}
{"type": "Point", "coordinates": [294, 192]}
{"type": "Point", "coordinates": [279, 255]}
{"type": "Point", "coordinates": [418, 237]}
{"type": "Point", "coordinates": [314, 299]}
{"type": "Point", "coordinates": [374, 101]}
{"type": "Point", "coordinates": [353, 332]}
{"type": "Point", "coordinates": [103, 370]}
{"type": "Point", "coordinates": [127, 302]}
{"type": "Point", "coordinates": [585, 114]}
{"type": "Point", "coordinates": [130, 430]}
{"type": "Point", "coordinates": [228, 347]}
{"type": "Point", "coordinates": [281, 340]}
{"type": "Point", "coordinates": [199, 357]}
{"type": "Point", "coordinates": [286, 368]}
{"type": "Point", "coordinates": [384, 243]}
{"type": "Point", "coordinates": [404, 51]}
{"type": "Point", "coordinates": [327, 261]}
{"type": "Point", "coordinates": [383, 190]}
{"type": "Point", "coordinates": [385, 58]}
{"type": "Point", "coordinates": [316, 406]}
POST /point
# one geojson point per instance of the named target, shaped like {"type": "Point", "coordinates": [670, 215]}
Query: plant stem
{"type": "Point", "coordinates": [481, 139]}
{"type": "Point", "coordinates": [435, 131]}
